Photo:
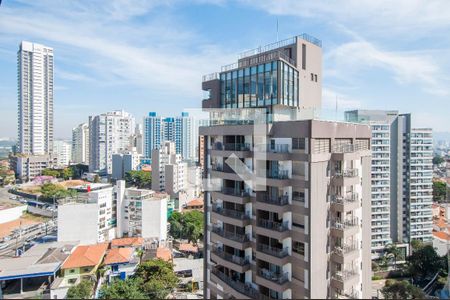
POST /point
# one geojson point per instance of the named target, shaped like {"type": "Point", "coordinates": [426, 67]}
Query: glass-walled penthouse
{"type": "Point", "coordinates": [262, 85]}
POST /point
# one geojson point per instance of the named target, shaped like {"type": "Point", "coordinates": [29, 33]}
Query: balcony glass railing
{"type": "Point", "coordinates": [241, 287]}
{"type": "Point", "coordinates": [237, 237]}
{"type": "Point", "coordinates": [345, 224]}
{"type": "Point", "coordinates": [272, 199]}
{"type": "Point", "coordinates": [235, 192]}
{"type": "Point", "coordinates": [231, 146]}
{"type": "Point", "coordinates": [345, 249]}
{"type": "Point", "coordinates": [277, 252]}
{"type": "Point", "coordinates": [347, 198]}
{"type": "Point", "coordinates": [272, 225]}
{"type": "Point", "coordinates": [238, 260]}
{"type": "Point", "coordinates": [276, 277]}
{"type": "Point", "coordinates": [347, 173]}
{"type": "Point", "coordinates": [236, 214]}
{"type": "Point", "coordinates": [280, 174]}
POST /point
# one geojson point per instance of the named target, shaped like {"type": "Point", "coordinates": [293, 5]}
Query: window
{"type": "Point", "coordinates": [298, 247]}
{"type": "Point", "coordinates": [315, 77]}
{"type": "Point", "coordinates": [312, 77]}
{"type": "Point", "coordinates": [303, 56]}
{"type": "Point", "coordinates": [72, 280]}
{"type": "Point", "coordinates": [72, 271]}
{"type": "Point", "coordinates": [298, 143]}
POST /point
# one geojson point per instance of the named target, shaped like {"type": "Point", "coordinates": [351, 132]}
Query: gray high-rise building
{"type": "Point", "coordinates": [35, 99]}
{"type": "Point", "coordinates": [402, 173]}
{"type": "Point", "coordinates": [287, 204]}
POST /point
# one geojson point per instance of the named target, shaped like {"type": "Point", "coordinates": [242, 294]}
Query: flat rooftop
{"type": "Point", "coordinates": [93, 187]}
{"type": "Point", "coordinates": [39, 260]}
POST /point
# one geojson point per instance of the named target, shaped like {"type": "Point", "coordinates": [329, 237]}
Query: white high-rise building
{"type": "Point", "coordinates": [180, 130]}
{"type": "Point", "coordinates": [109, 133]}
{"type": "Point", "coordinates": [80, 144]}
{"type": "Point", "coordinates": [35, 99]}
{"type": "Point", "coordinates": [62, 150]}
{"type": "Point", "coordinates": [401, 178]}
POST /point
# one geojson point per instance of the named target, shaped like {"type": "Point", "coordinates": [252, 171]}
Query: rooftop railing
{"type": "Point", "coordinates": [211, 76]}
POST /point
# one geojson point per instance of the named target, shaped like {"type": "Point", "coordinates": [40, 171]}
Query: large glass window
{"type": "Point", "coordinates": [253, 86]}
{"type": "Point", "coordinates": [247, 87]}
{"type": "Point", "coordinates": [260, 94]}
{"type": "Point", "coordinates": [240, 88]}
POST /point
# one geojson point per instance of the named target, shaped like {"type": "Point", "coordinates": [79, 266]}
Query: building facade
{"type": "Point", "coordinates": [62, 151]}
{"type": "Point", "coordinates": [35, 97]}
{"type": "Point", "coordinates": [109, 133]}
{"type": "Point", "coordinates": [401, 178]}
{"type": "Point", "coordinates": [30, 166]}
{"type": "Point", "coordinates": [125, 162]}
{"type": "Point", "coordinates": [179, 130]}
{"type": "Point", "coordinates": [80, 144]}
{"type": "Point", "coordinates": [286, 207]}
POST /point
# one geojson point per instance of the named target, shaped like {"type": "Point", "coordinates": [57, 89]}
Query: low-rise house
{"type": "Point", "coordinates": [82, 264]}
{"type": "Point", "coordinates": [121, 263]}
{"type": "Point", "coordinates": [135, 242]}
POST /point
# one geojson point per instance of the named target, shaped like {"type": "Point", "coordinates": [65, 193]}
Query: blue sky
{"type": "Point", "coordinates": [142, 56]}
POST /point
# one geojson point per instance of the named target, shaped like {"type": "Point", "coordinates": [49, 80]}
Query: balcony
{"type": "Point", "coordinates": [346, 177]}
{"type": "Point", "coordinates": [346, 228]}
{"type": "Point", "coordinates": [234, 262]}
{"type": "Point", "coordinates": [241, 288]}
{"type": "Point", "coordinates": [345, 254]}
{"type": "Point", "coordinates": [344, 280]}
{"type": "Point", "coordinates": [273, 255]}
{"type": "Point", "coordinates": [273, 280]}
{"type": "Point", "coordinates": [232, 195]}
{"type": "Point", "coordinates": [345, 203]}
{"type": "Point", "coordinates": [232, 239]}
{"type": "Point", "coordinates": [273, 229]}
{"type": "Point", "coordinates": [278, 178]}
{"type": "Point", "coordinates": [241, 150]}
{"type": "Point", "coordinates": [277, 252]}
{"type": "Point", "coordinates": [278, 204]}
{"type": "Point", "coordinates": [231, 216]}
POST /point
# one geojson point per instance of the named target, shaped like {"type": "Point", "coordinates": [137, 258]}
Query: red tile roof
{"type": "Point", "coordinates": [127, 242]}
{"type": "Point", "coordinates": [85, 256]}
{"type": "Point", "coordinates": [164, 254]}
{"type": "Point", "coordinates": [195, 202]}
{"type": "Point", "coordinates": [119, 255]}
{"type": "Point", "coordinates": [188, 248]}
{"type": "Point", "coordinates": [441, 235]}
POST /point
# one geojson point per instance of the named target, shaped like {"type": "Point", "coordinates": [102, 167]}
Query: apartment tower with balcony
{"type": "Point", "coordinates": [402, 173]}
{"type": "Point", "coordinates": [287, 200]}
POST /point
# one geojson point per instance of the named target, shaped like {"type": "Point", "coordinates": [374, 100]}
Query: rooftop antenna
{"type": "Point", "coordinates": [277, 29]}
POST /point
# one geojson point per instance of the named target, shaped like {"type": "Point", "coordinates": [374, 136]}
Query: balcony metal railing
{"type": "Point", "coordinates": [236, 214]}
{"type": "Point", "coordinates": [280, 174]}
{"type": "Point", "coordinates": [210, 76]}
{"type": "Point", "coordinates": [277, 252]}
{"type": "Point", "coordinates": [272, 225]}
{"type": "Point", "coordinates": [344, 275]}
{"type": "Point", "coordinates": [348, 198]}
{"type": "Point", "coordinates": [241, 261]}
{"type": "Point", "coordinates": [234, 192]}
{"type": "Point", "coordinates": [347, 173]}
{"type": "Point", "coordinates": [345, 249]}
{"type": "Point", "coordinates": [241, 287]}
{"type": "Point", "coordinates": [271, 199]}
{"type": "Point", "coordinates": [237, 237]}
{"type": "Point", "coordinates": [276, 277]}
{"type": "Point", "coordinates": [345, 224]}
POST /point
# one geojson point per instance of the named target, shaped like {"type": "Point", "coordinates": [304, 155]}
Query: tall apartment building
{"type": "Point", "coordinates": [293, 221]}
{"type": "Point", "coordinates": [27, 167]}
{"type": "Point", "coordinates": [80, 144]}
{"type": "Point", "coordinates": [35, 99]}
{"type": "Point", "coordinates": [179, 130]}
{"type": "Point", "coordinates": [62, 152]}
{"type": "Point", "coordinates": [125, 162]}
{"type": "Point", "coordinates": [109, 133]}
{"type": "Point", "coordinates": [168, 169]}
{"type": "Point", "coordinates": [401, 178]}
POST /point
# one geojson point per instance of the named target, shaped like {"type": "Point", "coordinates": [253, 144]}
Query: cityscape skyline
{"type": "Point", "coordinates": [364, 67]}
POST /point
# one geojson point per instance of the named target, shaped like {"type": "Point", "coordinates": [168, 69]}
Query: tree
{"type": "Point", "coordinates": [437, 160]}
{"type": "Point", "coordinates": [67, 173]}
{"type": "Point", "coordinates": [416, 244]}
{"type": "Point", "coordinates": [393, 251]}
{"type": "Point", "coordinates": [140, 179]}
{"type": "Point", "coordinates": [439, 190]}
{"type": "Point", "coordinates": [188, 225]}
{"type": "Point", "coordinates": [401, 290]}
{"type": "Point", "coordinates": [158, 278]}
{"type": "Point", "coordinates": [54, 191]}
{"type": "Point", "coordinates": [424, 263]}
{"type": "Point", "coordinates": [96, 179]}
{"type": "Point", "coordinates": [51, 172]}
{"type": "Point", "coordinates": [83, 290]}
{"type": "Point", "coordinates": [130, 288]}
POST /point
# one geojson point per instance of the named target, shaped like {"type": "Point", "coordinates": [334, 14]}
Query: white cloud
{"type": "Point", "coordinates": [413, 67]}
